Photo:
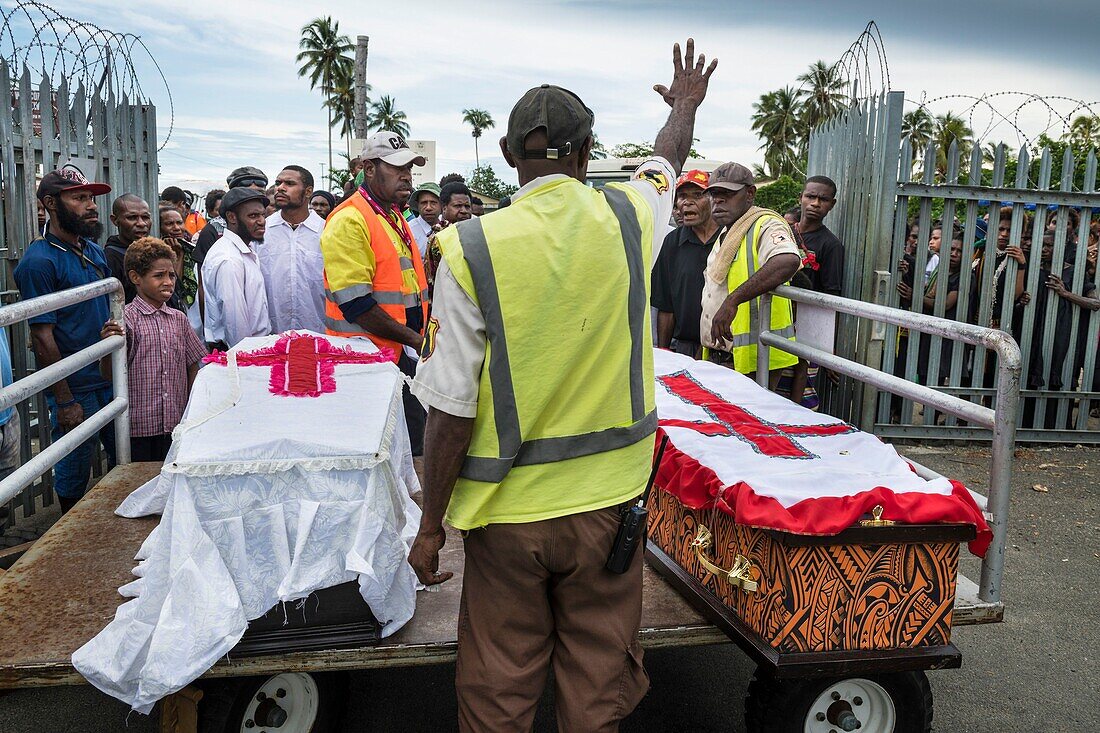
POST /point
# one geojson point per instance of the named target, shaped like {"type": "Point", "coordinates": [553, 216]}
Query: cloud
{"type": "Point", "coordinates": [239, 99]}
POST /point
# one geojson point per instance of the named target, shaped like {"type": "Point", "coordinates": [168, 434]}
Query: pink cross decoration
{"type": "Point", "coordinates": [302, 365]}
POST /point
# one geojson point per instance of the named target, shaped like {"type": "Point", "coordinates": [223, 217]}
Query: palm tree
{"type": "Point", "coordinates": [951, 128]}
{"type": "Point", "coordinates": [919, 127]}
{"type": "Point", "coordinates": [324, 58]}
{"type": "Point", "coordinates": [778, 122]}
{"type": "Point", "coordinates": [384, 115]}
{"type": "Point", "coordinates": [341, 103]}
{"type": "Point", "coordinates": [822, 94]}
{"type": "Point", "coordinates": [479, 120]}
{"type": "Point", "coordinates": [1084, 131]}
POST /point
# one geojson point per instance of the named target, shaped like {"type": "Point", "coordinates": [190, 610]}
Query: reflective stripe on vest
{"type": "Point", "coordinates": [512, 449]}
{"type": "Point", "coordinates": [391, 268]}
{"type": "Point", "coordinates": [751, 337]}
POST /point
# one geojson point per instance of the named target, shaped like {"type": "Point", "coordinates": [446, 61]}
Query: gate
{"type": "Point", "coordinates": [43, 126]}
{"type": "Point", "coordinates": [892, 199]}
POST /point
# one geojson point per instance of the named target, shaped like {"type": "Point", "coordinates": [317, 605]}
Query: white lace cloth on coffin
{"type": "Point", "coordinates": [316, 492]}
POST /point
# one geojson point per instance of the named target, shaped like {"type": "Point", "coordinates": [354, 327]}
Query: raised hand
{"type": "Point", "coordinates": [689, 80]}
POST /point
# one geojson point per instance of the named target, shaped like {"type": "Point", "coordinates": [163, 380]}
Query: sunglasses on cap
{"type": "Point", "coordinates": [261, 182]}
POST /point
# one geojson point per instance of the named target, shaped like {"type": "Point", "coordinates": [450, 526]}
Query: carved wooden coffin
{"type": "Point", "coordinates": [867, 588]}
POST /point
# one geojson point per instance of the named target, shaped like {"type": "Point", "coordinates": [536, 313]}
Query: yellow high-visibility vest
{"type": "Point", "coordinates": [745, 334]}
{"type": "Point", "coordinates": [566, 412]}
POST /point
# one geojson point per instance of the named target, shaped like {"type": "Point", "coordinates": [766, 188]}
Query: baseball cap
{"type": "Point", "coordinates": [246, 175]}
{"type": "Point", "coordinates": [694, 178]}
{"type": "Point", "coordinates": [429, 187]}
{"type": "Point", "coordinates": [69, 178]}
{"type": "Point", "coordinates": [730, 176]}
{"type": "Point", "coordinates": [566, 119]}
{"type": "Point", "coordinates": [389, 147]}
{"type": "Point", "coordinates": [234, 197]}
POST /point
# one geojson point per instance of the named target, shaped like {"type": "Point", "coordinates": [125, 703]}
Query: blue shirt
{"type": "Point", "coordinates": [48, 266]}
{"type": "Point", "coordinates": [5, 372]}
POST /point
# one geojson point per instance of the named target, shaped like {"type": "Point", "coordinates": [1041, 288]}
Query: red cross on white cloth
{"type": "Point", "coordinates": [769, 439]}
{"type": "Point", "coordinates": [302, 365]}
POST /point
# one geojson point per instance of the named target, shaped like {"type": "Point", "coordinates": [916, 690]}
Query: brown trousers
{"type": "Point", "coordinates": [536, 595]}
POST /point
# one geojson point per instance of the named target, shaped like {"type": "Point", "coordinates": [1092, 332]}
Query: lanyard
{"type": "Point", "coordinates": [402, 231]}
{"type": "Point", "coordinates": [85, 261]}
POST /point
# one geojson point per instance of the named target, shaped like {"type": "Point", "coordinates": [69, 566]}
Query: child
{"type": "Point", "coordinates": [163, 352]}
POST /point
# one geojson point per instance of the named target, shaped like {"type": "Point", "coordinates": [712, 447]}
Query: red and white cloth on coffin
{"type": "Point", "coordinates": [290, 472]}
{"type": "Point", "coordinates": [771, 463]}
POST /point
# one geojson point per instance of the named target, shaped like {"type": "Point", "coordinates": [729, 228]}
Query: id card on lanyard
{"type": "Point", "coordinates": [391, 217]}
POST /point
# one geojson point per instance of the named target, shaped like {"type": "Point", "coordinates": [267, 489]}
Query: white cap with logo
{"type": "Point", "coordinates": [389, 147]}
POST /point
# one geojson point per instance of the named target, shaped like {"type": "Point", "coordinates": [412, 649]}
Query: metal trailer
{"type": "Point", "coordinates": [872, 691]}
{"type": "Point", "coordinates": [300, 691]}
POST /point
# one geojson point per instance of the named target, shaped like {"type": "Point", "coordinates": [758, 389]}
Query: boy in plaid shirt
{"type": "Point", "coordinates": [163, 352]}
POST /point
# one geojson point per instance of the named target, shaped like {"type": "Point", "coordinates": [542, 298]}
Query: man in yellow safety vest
{"type": "Point", "coordinates": [537, 370]}
{"type": "Point", "coordinates": [756, 253]}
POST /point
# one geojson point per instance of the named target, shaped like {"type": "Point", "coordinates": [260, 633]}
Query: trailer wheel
{"type": "Point", "coordinates": [885, 703]}
{"type": "Point", "coordinates": [292, 702]}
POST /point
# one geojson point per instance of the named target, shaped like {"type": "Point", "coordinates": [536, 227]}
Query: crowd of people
{"type": "Point", "coordinates": [251, 264]}
{"type": "Point", "coordinates": [708, 207]}
{"type": "Point", "coordinates": [267, 257]}
{"type": "Point", "coordinates": [991, 300]}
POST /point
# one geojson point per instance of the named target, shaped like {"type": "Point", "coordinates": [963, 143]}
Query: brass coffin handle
{"type": "Point", "coordinates": [739, 576]}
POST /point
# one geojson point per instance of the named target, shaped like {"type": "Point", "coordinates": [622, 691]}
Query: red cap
{"type": "Point", "coordinates": [694, 177]}
{"type": "Point", "coordinates": [69, 178]}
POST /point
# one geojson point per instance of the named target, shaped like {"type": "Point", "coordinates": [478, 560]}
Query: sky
{"type": "Point", "coordinates": [239, 101]}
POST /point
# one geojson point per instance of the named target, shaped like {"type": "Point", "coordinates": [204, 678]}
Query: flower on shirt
{"type": "Point", "coordinates": [809, 261]}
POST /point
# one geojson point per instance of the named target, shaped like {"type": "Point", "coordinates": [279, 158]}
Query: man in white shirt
{"type": "Point", "coordinates": [290, 256]}
{"type": "Point", "coordinates": [429, 208]}
{"type": "Point", "coordinates": [233, 283]}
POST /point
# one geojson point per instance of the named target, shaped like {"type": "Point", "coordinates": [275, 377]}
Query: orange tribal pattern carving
{"type": "Point", "coordinates": [823, 597]}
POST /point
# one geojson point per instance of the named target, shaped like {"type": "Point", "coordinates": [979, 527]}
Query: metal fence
{"type": "Point", "coordinates": [891, 202]}
{"type": "Point", "coordinates": [46, 124]}
{"type": "Point", "coordinates": [21, 389]}
{"type": "Point", "coordinates": [859, 151]}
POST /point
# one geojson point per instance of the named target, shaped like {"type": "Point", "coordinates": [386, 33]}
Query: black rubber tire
{"type": "Point", "coordinates": [781, 706]}
{"type": "Point", "coordinates": [224, 701]}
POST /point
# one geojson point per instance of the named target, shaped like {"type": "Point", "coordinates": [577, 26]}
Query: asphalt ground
{"type": "Point", "coordinates": [1037, 671]}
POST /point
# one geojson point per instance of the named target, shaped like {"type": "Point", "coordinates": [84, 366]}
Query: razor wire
{"type": "Point", "coordinates": [36, 36]}
{"type": "Point", "coordinates": [990, 114]}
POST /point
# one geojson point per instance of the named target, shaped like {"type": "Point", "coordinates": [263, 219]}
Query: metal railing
{"type": "Point", "coordinates": [1001, 420]}
{"type": "Point", "coordinates": [117, 409]}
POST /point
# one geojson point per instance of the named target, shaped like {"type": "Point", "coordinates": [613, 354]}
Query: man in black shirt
{"type": "Point", "coordinates": [823, 266]}
{"type": "Point", "coordinates": [678, 273]}
{"type": "Point", "coordinates": [130, 214]}
{"type": "Point", "coordinates": [824, 252]}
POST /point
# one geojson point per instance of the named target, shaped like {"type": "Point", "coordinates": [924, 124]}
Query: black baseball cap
{"type": "Point", "coordinates": [234, 197]}
{"type": "Point", "coordinates": [566, 119]}
{"type": "Point", "coordinates": [246, 176]}
{"type": "Point", "coordinates": [69, 178]}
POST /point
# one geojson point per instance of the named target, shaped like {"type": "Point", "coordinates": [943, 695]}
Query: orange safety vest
{"type": "Point", "coordinates": [194, 222]}
{"type": "Point", "coordinates": [388, 288]}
